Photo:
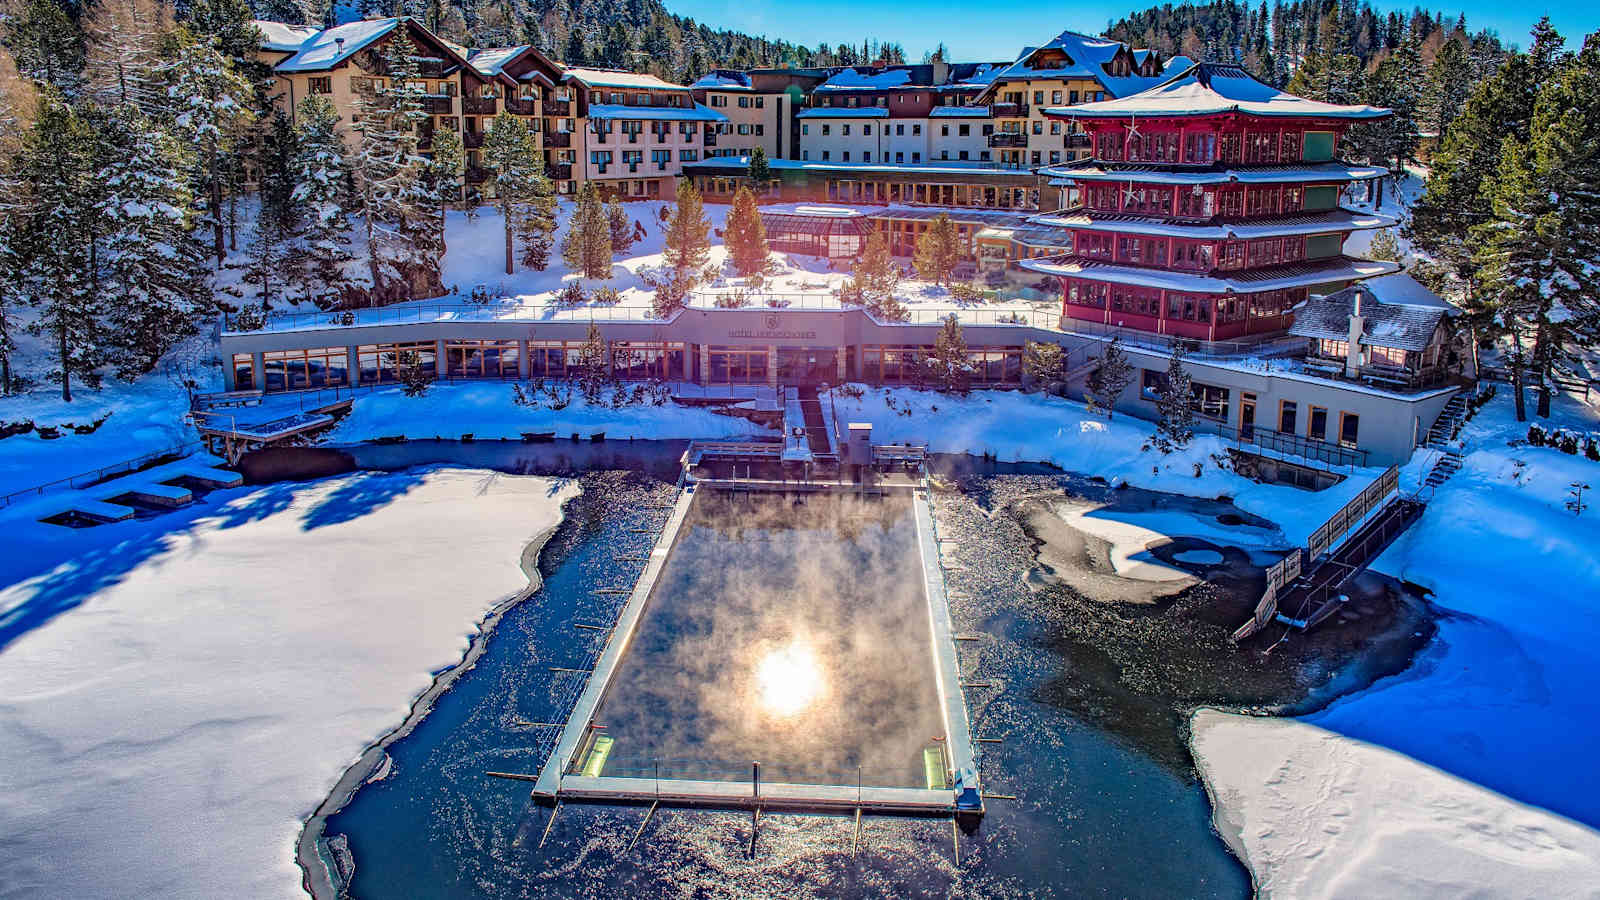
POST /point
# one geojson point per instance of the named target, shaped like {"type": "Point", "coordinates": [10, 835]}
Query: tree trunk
{"type": "Point", "coordinates": [505, 213]}
{"type": "Point", "coordinates": [1377, 191]}
{"type": "Point", "coordinates": [1543, 361]}
{"type": "Point", "coordinates": [1516, 375]}
{"type": "Point", "coordinates": [216, 201]}
{"type": "Point", "coordinates": [66, 371]}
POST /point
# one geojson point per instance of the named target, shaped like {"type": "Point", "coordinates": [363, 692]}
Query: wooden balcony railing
{"type": "Point", "coordinates": [478, 106]}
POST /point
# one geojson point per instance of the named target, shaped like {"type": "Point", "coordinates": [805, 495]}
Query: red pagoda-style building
{"type": "Point", "coordinates": [1210, 208]}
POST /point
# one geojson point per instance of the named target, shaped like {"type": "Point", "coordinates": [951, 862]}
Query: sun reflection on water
{"type": "Point", "coordinates": [789, 679]}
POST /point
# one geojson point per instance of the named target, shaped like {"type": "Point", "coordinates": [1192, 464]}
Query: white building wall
{"type": "Point", "coordinates": [946, 142]}
{"type": "Point", "coordinates": [829, 139]}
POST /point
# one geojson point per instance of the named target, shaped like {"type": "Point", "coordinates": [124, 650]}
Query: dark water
{"type": "Point", "coordinates": [1107, 804]}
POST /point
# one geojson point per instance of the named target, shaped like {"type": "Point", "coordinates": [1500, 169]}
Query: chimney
{"type": "Point", "coordinates": [338, 44]}
{"type": "Point", "coordinates": [1358, 328]}
{"type": "Point", "coordinates": [941, 72]}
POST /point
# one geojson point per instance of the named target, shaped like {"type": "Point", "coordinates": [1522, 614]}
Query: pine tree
{"type": "Point", "coordinates": [322, 178]}
{"type": "Point", "coordinates": [51, 240]}
{"type": "Point", "coordinates": [594, 366]}
{"type": "Point", "coordinates": [1385, 247]}
{"type": "Point", "coordinates": [938, 251]}
{"type": "Point", "coordinates": [874, 278]}
{"type": "Point", "coordinates": [445, 171]}
{"type": "Point", "coordinates": [47, 45]}
{"type": "Point", "coordinates": [760, 170]}
{"type": "Point", "coordinates": [688, 235]}
{"type": "Point", "coordinates": [539, 225]}
{"type": "Point", "coordinates": [587, 250]}
{"type": "Point", "coordinates": [949, 365]}
{"type": "Point", "coordinates": [746, 236]}
{"type": "Point", "coordinates": [619, 226]}
{"type": "Point", "coordinates": [1448, 84]}
{"type": "Point", "coordinates": [509, 151]}
{"type": "Point", "coordinates": [155, 283]}
{"type": "Point", "coordinates": [1109, 380]}
{"type": "Point", "coordinates": [1043, 363]}
{"type": "Point", "coordinates": [1175, 425]}
{"type": "Point", "coordinates": [210, 106]}
{"type": "Point", "coordinates": [404, 245]}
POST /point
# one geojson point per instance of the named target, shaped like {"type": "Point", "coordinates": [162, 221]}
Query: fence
{"type": "Point", "coordinates": [1351, 514]}
{"type": "Point", "coordinates": [1280, 576]}
{"type": "Point", "coordinates": [1294, 445]}
{"type": "Point", "coordinates": [96, 476]}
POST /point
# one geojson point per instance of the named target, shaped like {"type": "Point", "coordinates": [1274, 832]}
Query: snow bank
{"type": "Point", "coordinates": [144, 417]}
{"type": "Point", "coordinates": [1129, 534]}
{"type": "Point", "coordinates": [1316, 814]}
{"type": "Point", "coordinates": [205, 676]}
{"type": "Point", "coordinates": [1016, 426]}
{"type": "Point", "coordinates": [487, 411]}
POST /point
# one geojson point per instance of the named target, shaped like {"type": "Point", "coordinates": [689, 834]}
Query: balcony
{"type": "Point", "coordinates": [439, 106]}
{"type": "Point", "coordinates": [1008, 139]}
{"type": "Point", "coordinates": [1078, 142]}
{"type": "Point", "coordinates": [478, 106]}
{"type": "Point", "coordinates": [559, 171]}
{"type": "Point", "coordinates": [1008, 110]}
{"type": "Point", "coordinates": [558, 140]}
{"type": "Point", "coordinates": [522, 106]}
{"type": "Point", "coordinates": [472, 140]}
{"type": "Point", "coordinates": [558, 108]}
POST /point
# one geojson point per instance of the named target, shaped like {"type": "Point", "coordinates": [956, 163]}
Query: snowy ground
{"type": "Point", "coordinates": [180, 693]}
{"type": "Point", "coordinates": [1504, 699]}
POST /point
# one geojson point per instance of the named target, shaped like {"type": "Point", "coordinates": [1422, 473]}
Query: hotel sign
{"type": "Point", "coordinates": [772, 329]}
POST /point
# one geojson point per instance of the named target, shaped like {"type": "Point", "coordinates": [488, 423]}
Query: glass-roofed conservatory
{"type": "Point", "coordinates": [836, 232]}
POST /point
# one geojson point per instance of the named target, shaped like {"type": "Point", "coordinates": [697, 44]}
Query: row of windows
{"type": "Point", "coordinates": [1146, 301]}
{"type": "Point", "coordinates": [1250, 148]}
{"type": "Point", "coordinates": [744, 102]}
{"type": "Point", "coordinates": [977, 195]}
{"type": "Point", "coordinates": [1191, 201]}
{"type": "Point", "coordinates": [744, 128]}
{"type": "Point", "coordinates": [1194, 256]}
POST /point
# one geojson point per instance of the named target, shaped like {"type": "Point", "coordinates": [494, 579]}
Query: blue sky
{"type": "Point", "coordinates": [997, 29]}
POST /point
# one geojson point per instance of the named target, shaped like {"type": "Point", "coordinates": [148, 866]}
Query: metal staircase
{"type": "Point", "coordinates": [1448, 424]}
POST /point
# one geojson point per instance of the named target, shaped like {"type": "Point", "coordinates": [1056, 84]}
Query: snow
{"type": "Point", "coordinates": [1311, 223]}
{"type": "Point", "coordinates": [1319, 271]}
{"type": "Point", "coordinates": [1316, 814]}
{"type": "Point", "coordinates": [1129, 534]}
{"type": "Point", "coordinates": [854, 78]}
{"type": "Point", "coordinates": [1071, 172]}
{"type": "Point", "coordinates": [614, 78]}
{"type": "Point", "coordinates": [329, 47]}
{"type": "Point", "coordinates": [490, 60]}
{"type": "Point", "coordinates": [1439, 769]}
{"type": "Point", "coordinates": [841, 112]}
{"type": "Point", "coordinates": [1211, 88]}
{"type": "Point", "coordinates": [186, 689]}
{"type": "Point", "coordinates": [1015, 426]}
{"type": "Point", "coordinates": [697, 113]}
{"type": "Point", "coordinates": [487, 411]}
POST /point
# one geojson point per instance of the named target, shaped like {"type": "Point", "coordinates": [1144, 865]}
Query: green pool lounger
{"type": "Point", "coordinates": [932, 766]}
{"type": "Point", "coordinates": [597, 756]}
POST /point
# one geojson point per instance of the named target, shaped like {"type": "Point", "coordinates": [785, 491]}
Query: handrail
{"type": "Point", "coordinates": [95, 476]}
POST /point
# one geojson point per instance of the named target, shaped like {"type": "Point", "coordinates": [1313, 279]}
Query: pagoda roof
{"type": "Point", "coordinates": [1266, 278]}
{"type": "Point", "coordinates": [1092, 170]}
{"type": "Point", "coordinates": [1216, 229]}
{"type": "Point", "coordinates": [1206, 89]}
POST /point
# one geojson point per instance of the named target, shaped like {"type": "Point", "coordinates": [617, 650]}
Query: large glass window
{"type": "Point", "coordinates": [639, 360]}
{"type": "Point", "coordinates": [294, 370]}
{"type": "Point", "coordinates": [244, 372]}
{"type": "Point", "coordinates": [737, 365]}
{"type": "Point", "coordinates": [482, 359]}
{"type": "Point", "coordinates": [379, 363]}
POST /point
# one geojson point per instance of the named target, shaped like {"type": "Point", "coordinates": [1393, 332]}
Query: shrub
{"type": "Point", "coordinates": [570, 296]}
{"type": "Point", "coordinates": [607, 296]}
{"type": "Point", "coordinates": [967, 293]}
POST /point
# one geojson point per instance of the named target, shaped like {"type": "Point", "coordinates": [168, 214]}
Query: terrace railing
{"type": "Point", "coordinates": [1293, 446]}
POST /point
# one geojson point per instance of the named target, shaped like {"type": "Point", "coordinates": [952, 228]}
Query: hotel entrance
{"type": "Point", "coordinates": [807, 365]}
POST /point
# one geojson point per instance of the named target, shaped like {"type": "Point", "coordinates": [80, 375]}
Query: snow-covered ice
{"type": "Point", "coordinates": [180, 693]}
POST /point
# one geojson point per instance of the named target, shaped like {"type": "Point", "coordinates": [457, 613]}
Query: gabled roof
{"type": "Point", "coordinates": [723, 80]}
{"type": "Point", "coordinates": [1399, 313]}
{"type": "Point", "coordinates": [281, 36]}
{"type": "Point", "coordinates": [491, 60]}
{"type": "Point", "coordinates": [613, 78]}
{"type": "Point", "coordinates": [1207, 89]}
{"type": "Point", "coordinates": [1087, 57]}
{"type": "Point", "coordinates": [331, 46]}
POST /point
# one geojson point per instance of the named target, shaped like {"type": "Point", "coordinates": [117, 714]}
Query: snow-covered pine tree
{"type": "Point", "coordinates": [47, 45]}
{"type": "Point", "coordinates": [938, 251]}
{"type": "Point", "coordinates": [1109, 380]}
{"type": "Point", "coordinates": [587, 250]}
{"type": "Point", "coordinates": [52, 242]}
{"type": "Point", "coordinates": [619, 226]}
{"type": "Point", "coordinates": [321, 191]}
{"type": "Point", "coordinates": [1385, 246]}
{"type": "Point", "coordinates": [123, 65]}
{"type": "Point", "coordinates": [875, 277]}
{"type": "Point", "coordinates": [1043, 363]}
{"type": "Point", "coordinates": [949, 365]}
{"type": "Point", "coordinates": [538, 225]}
{"type": "Point", "coordinates": [745, 236]}
{"type": "Point", "coordinates": [18, 103]}
{"type": "Point", "coordinates": [397, 209]}
{"type": "Point", "coordinates": [509, 151]}
{"type": "Point", "coordinates": [594, 365]}
{"type": "Point", "coordinates": [446, 170]}
{"type": "Point", "coordinates": [688, 235]}
{"type": "Point", "coordinates": [155, 284]}
{"type": "Point", "coordinates": [1175, 425]}
{"type": "Point", "coordinates": [209, 102]}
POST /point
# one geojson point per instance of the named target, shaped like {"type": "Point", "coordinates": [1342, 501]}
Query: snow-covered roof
{"type": "Point", "coordinates": [1088, 170]}
{"type": "Point", "coordinates": [723, 80]}
{"type": "Point", "coordinates": [282, 36]}
{"type": "Point", "coordinates": [491, 60]}
{"type": "Point", "coordinates": [1209, 88]}
{"type": "Point", "coordinates": [618, 79]}
{"type": "Point", "coordinates": [332, 46]}
{"type": "Point", "coordinates": [1399, 313]}
{"type": "Point", "coordinates": [866, 78]}
{"type": "Point", "coordinates": [819, 209]}
{"type": "Point", "coordinates": [1087, 57]}
{"type": "Point", "coordinates": [843, 112]}
{"type": "Point", "coordinates": [959, 112]}
{"type": "Point", "coordinates": [1269, 278]}
{"type": "Point", "coordinates": [674, 113]}
{"type": "Point", "coordinates": [1277, 226]}
{"type": "Point", "coordinates": [982, 75]}
{"type": "Point", "coordinates": [943, 167]}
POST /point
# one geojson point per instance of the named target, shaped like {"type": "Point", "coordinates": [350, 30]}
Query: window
{"type": "Point", "coordinates": [1349, 429]}
{"type": "Point", "coordinates": [916, 157]}
{"type": "Point", "coordinates": [761, 102]}
{"type": "Point", "coordinates": [744, 102]}
{"type": "Point", "coordinates": [1055, 126]}
{"type": "Point", "coordinates": [1287, 411]}
{"type": "Point", "coordinates": [845, 130]}
{"type": "Point", "coordinates": [916, 129]}
{"type": "Point", "coordinates": [866, 129]}
{"type": "Point", "coordinates": [482, 359]}
{"type": "Point", "coordinates": [298, 369]}
{"type": "Point", "coordinates": [600, 159]}
{"type": "Point", "coordinates": [1038, 127]}
{"type": "Point", "coordinates": [1055, 156]}
{"type": "Point", "coordinates": [847, 156]}
{"type": "Point", "coordinates": [827, 129]}
{"type": "Point", "coordinates": [805, 155]}
{"type": "Point", "coordinates": [1038, 98]}
{"type": "Point", "coordinates": [661, 158]}
{"type": "Point", "coordinates": [825, 156]}
{"type": "Point", "coordinates": [244, 371]}
{"type": "Point", "coordinates": [323, 85]}
{"type": "Point", "coordinates": [805, 128]}
{"type": "Point", "coordinates": [866, 156]}
{"type": "Point", "coordinates": [688, 155]}
{"type": "Point", "coordinates": [1055, 96]}
{"type": "Point", "coordinates": [1073, 95]}
{"type": "Point", "coordinates": [964, 130]}
{"type": "Point", "coordinates": [1317, 427]}
{"type": "Point", "coordinates": [1386, 356]}
{"type": "Point", "coordinates": [899, 157]}
{"type": "Point", "coordinates": [944, 130]}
